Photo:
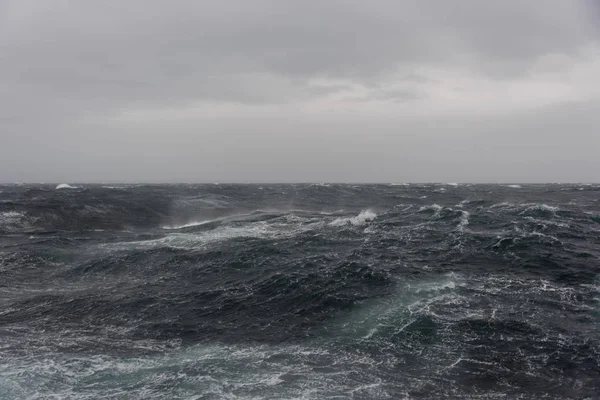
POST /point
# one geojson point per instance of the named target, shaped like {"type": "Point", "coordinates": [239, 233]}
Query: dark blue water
{"type": "Point", "coordinates": [300, 292]}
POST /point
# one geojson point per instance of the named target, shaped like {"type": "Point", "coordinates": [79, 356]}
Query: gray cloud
{"type": "Point", "coordinates": [157, 77]}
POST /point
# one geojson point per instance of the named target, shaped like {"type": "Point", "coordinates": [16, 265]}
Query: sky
{"type": "Point", "coordinates": [299, 91]}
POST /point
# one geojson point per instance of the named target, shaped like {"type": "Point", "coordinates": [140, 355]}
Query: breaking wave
{"type": "Point", "coordinates": [65, 186]}
{"type": "Point", "coordinates": [359, 220]}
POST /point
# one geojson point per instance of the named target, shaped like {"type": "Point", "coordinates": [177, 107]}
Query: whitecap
{"type": "Point", "coordinates": [65, 186]}
{"type": "Point", "coordinates": [114, 187]}
{"type": "Point", "coordinates": [452, 184]}
{"type": "Point", "coordinates": [540, 207]}
{"type": "Point", "coordinates": [464, 221]}
{"type": "Point", "coordinates": [514, 186]}
{"type": "Point", "coordinates": [361, 219]}
{"type": "Point", "coordinates": [13, 220]}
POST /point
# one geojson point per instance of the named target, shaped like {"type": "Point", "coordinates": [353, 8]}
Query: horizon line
{"type": "Point", "coordinates": [293, 183]}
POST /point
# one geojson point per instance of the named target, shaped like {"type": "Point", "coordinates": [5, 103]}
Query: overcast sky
{"type": "Point", "coordinates": [300, 90]}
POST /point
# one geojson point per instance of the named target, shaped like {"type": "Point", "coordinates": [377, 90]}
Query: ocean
{"type": "Point", "coordinates": [305, 291]}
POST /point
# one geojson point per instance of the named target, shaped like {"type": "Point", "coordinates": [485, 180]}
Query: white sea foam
{"type": "Point", "coordinates": [361, 219]}
{"type": "Point", "coordinates": [514, 186]}
{"type": "Point", "coordinates": [525, 207]}
{"type": "Point", "coordinates": [12, 220]}
{"type": "Point", "coordinates": [214, 371]}
{"type": "Point", "coordinates": [116, 187]}
{"type": "Point", "coordinates": [186, 225]}
{"type": "Point", "coordinates": [65, 186]}
{"type": "Point", "coordinates": [546, 222]}
{"type": "Point", "coordinates": [464, 221]}
{"type": "Point", "coordinates": [11, 215]}
{"type": "Point", "coordinates": [452, 184]}
{"type": "Point", "coordinates": [197, 240]}
{"type": "Point", "coordinates": [539, 207]}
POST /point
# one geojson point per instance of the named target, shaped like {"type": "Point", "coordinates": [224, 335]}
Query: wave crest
{"type": "Point", "coordinates": [361, 219]}
{"type": "Point", "coordinates": [65, 186]}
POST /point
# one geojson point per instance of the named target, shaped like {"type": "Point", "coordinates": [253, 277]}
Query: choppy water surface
{"type": "Point", "coordinates": [300, 291]}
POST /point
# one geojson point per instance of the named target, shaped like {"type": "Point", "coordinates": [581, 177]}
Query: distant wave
{"type": "Point", "coordinates": [514, 186]}
{"type": "Point", "coordinates": [65, 186]}
{"type": "Point", "coordinates": [116, 187]}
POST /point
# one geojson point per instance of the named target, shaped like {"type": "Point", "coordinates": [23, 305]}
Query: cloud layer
{"type": "Point", "coordinates": [299, 91]}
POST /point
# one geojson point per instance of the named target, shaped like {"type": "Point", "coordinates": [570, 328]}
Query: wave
{"type": "Point", "coordinates": [65, 186]}
{"type": "Point", "coordinates": [198, 240]}
{"type": "Point", "coordinates": [202, 201]}
{"type": "Point", "coordinates": [449, 281]}
{"type": "Point", "coordinates": [253, 215]}
{"type": "Point", "coordinates": [526, 207]}
{"type": "Point", "coordinates": [352, 310]}
{"type": "Point", "coordinates": [190, 241]}
{"type": "Point", "coordinates": [504, 204]}
{"type": "Point", "coordinates": [464, 221]}
{"type": "Point", "coordinates": [541, 207]}
{"type": "Point", "coordinates": [524, 239]}
{"type": "Point", "coordinates": [463, 203]}
{"type": "Point", "coordinates": [514, 186]}
{"type": "Point", "coordinates": [545, 222]}
{"type": "Point", "coordinates": [187, 225]}
{"type": "Point", "coordinates": [433, 207]}
{"type": "Point", "coordinates": [361, 219]}
{"type": "Point", "coordinates": [217, 371]}
{"type": "Point", "coordinates": [13, 220]}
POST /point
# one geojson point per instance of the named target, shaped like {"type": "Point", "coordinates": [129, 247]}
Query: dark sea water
{"type": "Point", "coordinates": [300, 292]}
